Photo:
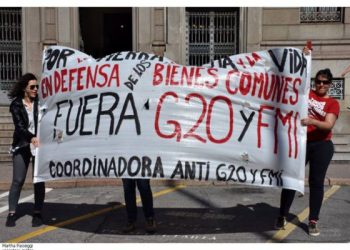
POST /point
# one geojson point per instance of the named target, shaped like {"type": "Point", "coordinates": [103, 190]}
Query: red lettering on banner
{"type": "Point", "coordinates": [295, 90]}
{"type": "Point", "coordinates": [212, 72]}
{"type": "Point", "coordinates": [67, 80]}
{"type": "Point", "coordinates": [260, 123]}
{"type": "Point", "coordinates": [91, 77]}
{"type": "Point", "coordinates": [295, 135]}
{"type": "Point", "coordinates": [191, 133]}
{"type": "Point", "coordinates": [284, 120]}
{"type": "Point", "coordinates": [173, 74]}
{"type": "Point", "coordinates": [187, 77]}
{"type": "Point", "coordinates": [157, 76]}
{"type": "Point", "coordinates": [229, 134]}
{"type": "Point", "coordinates": [80, 76]}
{"type": "Point", "coordinates": [245, 88]}
{"type": "Point", "coordinates": [228, 81]}
{"type": "Point", "coordinates": [114, 76]}
{"type": "Point", "coordinates": [176, 75]}
{"type": "Point", "coordinates": [177, 127]}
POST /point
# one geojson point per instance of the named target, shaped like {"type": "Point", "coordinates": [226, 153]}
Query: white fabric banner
{"type": "Point", "coordinates": [137, 115]}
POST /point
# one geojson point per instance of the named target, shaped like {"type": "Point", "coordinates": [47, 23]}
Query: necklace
{"type": "Point", "coordinates": [28, 104]}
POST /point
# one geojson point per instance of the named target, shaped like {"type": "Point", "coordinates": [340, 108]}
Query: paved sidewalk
{"type": "Point", "coordinates": [338, 174]}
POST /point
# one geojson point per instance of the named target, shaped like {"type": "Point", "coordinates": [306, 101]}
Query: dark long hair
{"type": "Point", "coordinates": [18, 88]}
{"type": "Point", "coordinates": [325, 73]}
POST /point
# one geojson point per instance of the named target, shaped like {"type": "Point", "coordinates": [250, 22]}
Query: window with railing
{"type": "Point", "coordinates": [10, 46]}
{"type": "Point", "coordinates": [321, 14]}
{"type": "Point", "coordinates": [211, 33]}
{"type": "Point", "coordinates": [336, 90]}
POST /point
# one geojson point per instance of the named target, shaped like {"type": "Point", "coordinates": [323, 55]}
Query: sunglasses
{"type": "Point", "coordinates": [325, 82]}
{"type": "Point", "coordinates": [32, 87]}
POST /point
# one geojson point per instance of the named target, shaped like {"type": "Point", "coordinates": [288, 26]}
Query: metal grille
{"type": "Point", "coordinates": [336, 90]}
{"type": "Point", "coordinates": [321, 14]}
{"type": "Point", "coordinates": [210, 35]}
{"type": "Point", "coordinates": [10, 46]}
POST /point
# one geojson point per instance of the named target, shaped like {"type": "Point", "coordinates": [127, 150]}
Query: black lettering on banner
{"type": "Point", "coordinates": [55, 57]}
{"type": "Point", "coordinates": [86, 166]}
{"type": "Point", "coordinates": [139, 69]}
{"type": "Point", "coordinates": [158, 168]}
{"type": "Point", "coordinates": [201, 164]}
{"type": "Point", "coordinates": [132, 81]}
{"type": "Point", "coordinates": [122, 162]}
{"type": "Point", "coordinates": [58, 114]}
{"type": "Point", "coordinates": [224, 63]}
{"type": "Point", "coordinates": [253, 172]}
{"type": "Point", "coordinates": [108, 112]}
{"type": "Point", "coordinates": [77, 117]}
{"type": "Point", "coordinates": [247, 123]}
{"type": "Point", "coordinates": [280, 179]}
{"type": "Point", "coordinates": [178, 170]}
{"type": "Point", "coordinates": [241, 174]}
{"type": "Point", "coordinates": [263, 175]}
{"type": "Point", "coordinates": [232, 167]}
{"type": "Point", "coordinates": [94, 166]}
{"type": "Point", "coordinates": [76, 166]}
{"type": "Point", "coordinates": [208, 171]}
{"type": "Point", "coordinates": [59, 169]}
{"type": "Point", "coordinates": [68, 168]}
{"type": "Point", "coordinates": [146, 165]}
{"type": "Point", "coordinates": [280, 64]}
{"type": "Point", "coordinates": [138, 166]}
{"type": "Point", "coordinates": [116, 57]}
{"type": "Point", "coordinates": [131, 54]}
{"type": "Point", "coordinates": [52, 168]}
{"type": "Point", "coordinates": [133, 116]}
{"type": "Point", "coordinates": [143, 56]}
{"type": "Point", "coordinates": [102, 166]}
{"type": "Point", "coordinates": [190, 170]}
{"type": "Point", "coordinates": [85, 112]}
{"type": "Point", "coordinates": [220, 176]}
{"type": "Point", "coordinates": [112, 166]}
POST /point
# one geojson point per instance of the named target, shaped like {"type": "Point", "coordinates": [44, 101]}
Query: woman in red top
{"type": "Point", "coordinates": [323, 112]}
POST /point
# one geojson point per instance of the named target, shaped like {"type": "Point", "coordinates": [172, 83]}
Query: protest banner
{"type": "Point", "coordinates": [138, 115]}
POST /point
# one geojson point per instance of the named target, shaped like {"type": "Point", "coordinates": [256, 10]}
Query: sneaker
{"type": "Point", "coordinates": [280, 222]}
{"type": "Point", "coordinates": [313, 229]}
{"type": "Point", "coordinates": [11, 220]}
{"type": "Point", "coordinates": [37, 220]}
{"type": "Point", "coordinates": [150, 226]}
{"type": "Point", "coordinates": [129, 227]}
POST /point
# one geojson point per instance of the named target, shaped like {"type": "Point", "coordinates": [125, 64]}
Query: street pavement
{"type": "Point", "coordinates": [210, 213]}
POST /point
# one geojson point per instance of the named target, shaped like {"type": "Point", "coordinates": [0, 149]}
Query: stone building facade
{"type": "Point", "coordinates": [177, 32]}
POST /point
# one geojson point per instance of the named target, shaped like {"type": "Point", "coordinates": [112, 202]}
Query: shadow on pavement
{"type": "Point", "coordinates": [257, 218]}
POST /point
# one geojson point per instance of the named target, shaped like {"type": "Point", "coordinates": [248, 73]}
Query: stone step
{"type": "Point", "coordinates": [5, 141]}
{"type": "Point", "coordinates": [4, 148]}
{"type": "Point", "coordinates": [342, 148]}
{"type": "Point", "coordinates": [5, 114]}
{"type": "Point", "coordinates": [341, 156]}
{"type": "Point", "coordinates": [342, 124]}
{"type": "Point", "coordinates": [5, 157]}
{"type": "Point", "coordinates": [6, 119]}
{"type": "Point", "coordinates": [341, 139]}
{"type": "Point", "coordinates": [7, 126]}
{"type": "Point", "coordinates": [6, 133]}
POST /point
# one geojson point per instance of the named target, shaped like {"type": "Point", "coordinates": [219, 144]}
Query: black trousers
{"type": "Point", "coordinates": [130, 198]}
{"type": "Point", "coordinates": [319, 154]}
{"type": "Point", "coordinates": [21, 161]}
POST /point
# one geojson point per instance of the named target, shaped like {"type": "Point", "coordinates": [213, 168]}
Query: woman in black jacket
{"type": "Point", "coordinates": [24, 110]}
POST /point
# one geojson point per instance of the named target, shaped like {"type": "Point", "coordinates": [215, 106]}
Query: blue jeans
{"type": "Point", "coordinates": [144, 188]}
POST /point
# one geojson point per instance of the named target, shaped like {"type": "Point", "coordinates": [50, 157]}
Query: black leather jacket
{"type": "Point", "coordinates": [21, 135]}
